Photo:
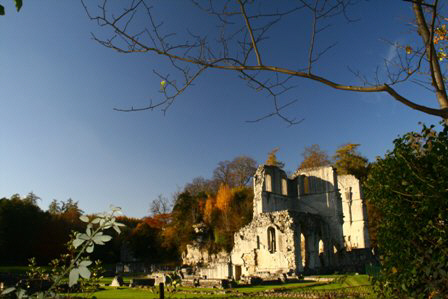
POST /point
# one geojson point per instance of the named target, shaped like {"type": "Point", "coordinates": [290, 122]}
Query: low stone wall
{"type": "Point", "coordinates": [355, 260]}
{"type": "Point", "coordinates": [216, 271]}
{"type": "Point", "coordinates": [142, 282]}
{"type": "Point", "coordinates": [206, 283]}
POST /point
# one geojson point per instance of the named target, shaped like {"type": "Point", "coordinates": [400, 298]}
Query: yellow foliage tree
{"type": "Point", "coordinates": [272, 159]}
{"type": "Point", "coordinates": [224, 198]}
{"type": "Point", "coordinates": [208, 210]}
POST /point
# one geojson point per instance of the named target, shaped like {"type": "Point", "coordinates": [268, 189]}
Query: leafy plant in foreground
{"type": "Point", "coordinates": [74, 265]}
{"type": "Point", "coordinates": [409, 187]}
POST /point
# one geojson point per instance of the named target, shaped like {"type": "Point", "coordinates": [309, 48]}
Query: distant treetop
{"type": "Point", "coordinates": [272, 159]}
{"type": "Point", "coordinates": [313, 156]}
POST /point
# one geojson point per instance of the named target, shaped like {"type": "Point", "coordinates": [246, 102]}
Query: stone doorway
{"type": "Point", "coordinates": [237, 272]}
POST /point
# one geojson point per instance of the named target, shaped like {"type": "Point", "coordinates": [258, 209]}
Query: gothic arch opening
{"type": "Point", "coordinates": [272, 246]}
{"type": "Point", "coordinates": [303, 249]}
{"type": "Point", "coordinates": [268, 183]}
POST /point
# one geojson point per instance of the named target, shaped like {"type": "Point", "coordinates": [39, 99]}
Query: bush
{"type": "Point", "coordinates": [409, 188]}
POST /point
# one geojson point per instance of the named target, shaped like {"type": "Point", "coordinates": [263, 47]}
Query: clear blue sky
{"type": "Point", "coordinates": [60, 138]}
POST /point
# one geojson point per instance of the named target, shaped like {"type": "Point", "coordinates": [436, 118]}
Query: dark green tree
{"type": "Point", "coordinates": [409, 187]}
{"type": "Point", "coordinates": [21, 222]}
{"type": "Point", "coordinates": [18, 4]}
{"type": "Point", "coordinates": [54, 208]}
{"type": "Point", "coordinates": [144, 242]}
{"type": "Point", "coordinates": [185, 214]}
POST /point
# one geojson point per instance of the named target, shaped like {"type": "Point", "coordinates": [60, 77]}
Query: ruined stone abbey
{"type": "Point", "coordinates": [314, 220]}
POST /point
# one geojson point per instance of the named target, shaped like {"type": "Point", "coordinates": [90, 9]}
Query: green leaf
{"type": "Point", "coordinates": [90, 248]}
{"type": "Point", "coordinates": [117, 229]}
{"type": "Point", "coordinates": [84, 272]}
{"type": "Point", "coordinates": [18, 4]}
{"type": "Point", "coordinates": [96, 220]}
{"type": "Point", "coordinates": [8, 290]}
{"type": "Point", "coordinates": [105, 238]}
{"type": "Point", "coordinates": [84, 218]}
{"type": "Point", "coordinates": [85, 263]}
{"type": "Point", "coordinates": [115, 209]}
{"type": "Point", "coordinates": [83, 237]}
{"type": "Point", "coordinates": [77, 242]}
{"type": "Point", "coordinates": [97, 239]}
{"type": "Point", "coordinates": [73, 277]}
{"type": "Point", "coordinates": [2, 10]}
{"type": "Point", "coordinates": [21, 294]}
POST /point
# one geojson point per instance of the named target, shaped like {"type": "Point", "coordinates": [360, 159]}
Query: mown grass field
{"type": "Point", "coordinates": [343, 282]}
{"type": "Point", "coordinates": [13, 269]}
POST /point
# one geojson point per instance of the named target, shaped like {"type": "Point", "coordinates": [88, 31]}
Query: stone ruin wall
{"type": "Point", "coordinates": [322, 198]}
{"type": "Point", "coordinates": [251, 249]}
{"type": "Point", "coordinates": [195, 255]}
{"type": "Point", "coordinates": [355, 225]}
{"type": "Point", "coordinates": [273, 191]}
{"type": "Point", "coordinates": [311, 225]}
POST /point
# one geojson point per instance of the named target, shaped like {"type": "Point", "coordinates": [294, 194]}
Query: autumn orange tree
{"type": "Point", "coordinates": [440, 39]}
{"type": "Point", "coordinates": [219, 214]}
{"type": "Point", "coordinates": [242, 46]}
{"type": "Point", "coordinates": [227, 213]}
{"type": "Point", "coordinates": [210, 206]}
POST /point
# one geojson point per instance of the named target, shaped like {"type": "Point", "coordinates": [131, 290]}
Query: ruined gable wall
{"type": "Point", "coordinates": [355, 227]}
{"type": "Point", "coordinates": [195, 255]}
{"type": "Point", "coordinates": [321, 197]}
{"type": "Point", "coordinates": [272, 190]}
{"type": "Point", "coordinates": [253, 254]}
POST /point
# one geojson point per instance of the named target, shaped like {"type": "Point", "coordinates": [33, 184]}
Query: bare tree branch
{"type": "Point", "coordinates": [241, 37]}
{"type": "Point", "coordinates": [249, 28]}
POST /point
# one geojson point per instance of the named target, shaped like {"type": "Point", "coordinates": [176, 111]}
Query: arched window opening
{"type": "Point", "coordinates": [321, 246]}
{"type": "Point", "coordinates": [284, 187]}
{"type": "Point", "coordinates": [271, 240]}
{"type": "Point", "coordinates": [268, 183]}
{"type": "Point", "coordinates": [306, 185]}
{"type": "Point", "coordinates": [303, 249]}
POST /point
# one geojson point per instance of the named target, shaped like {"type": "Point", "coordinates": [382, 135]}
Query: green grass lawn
{"type": "Point", "coordinates": [283, 286]}
{"type": "Point", "coordinates": [13, 269]}
{"type": "Point", "coordinates": [349, 281]}
{"type": "Point", "coordinates": [342, 282]}
{"type": "Point", "coordinates": [184, 292]}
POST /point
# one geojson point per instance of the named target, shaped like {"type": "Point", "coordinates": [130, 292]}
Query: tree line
{"type": "Point", "coordinates": [206, 211]}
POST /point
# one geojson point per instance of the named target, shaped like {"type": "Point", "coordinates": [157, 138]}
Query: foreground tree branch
{"type": "Point", "coordinates": [243, 32]}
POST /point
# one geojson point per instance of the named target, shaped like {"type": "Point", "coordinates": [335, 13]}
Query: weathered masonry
{"type": "Point", "coordinates": [303, 223]}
